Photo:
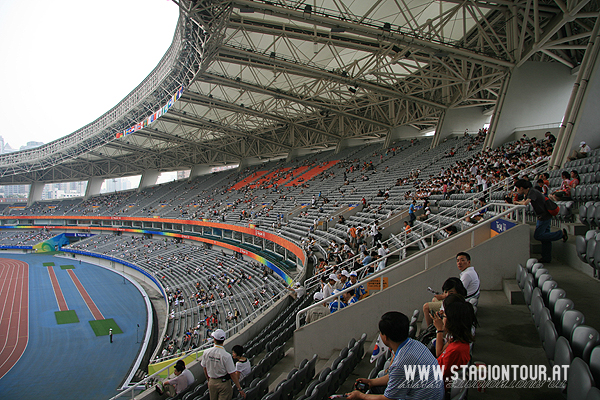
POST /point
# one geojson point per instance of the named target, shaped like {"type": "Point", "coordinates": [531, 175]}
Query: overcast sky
{"type": "Point", "coordinates": [63, 63]}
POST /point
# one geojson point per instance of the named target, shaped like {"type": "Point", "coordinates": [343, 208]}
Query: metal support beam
{"type": "Point", "coordinates": [491, 134]}
{"type": "Point", "coordinates": [564, 139]}
{"type": "Point", "coordinates": [35, 192]}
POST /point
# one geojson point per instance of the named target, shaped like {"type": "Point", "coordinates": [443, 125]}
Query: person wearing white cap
{"type": "Point", "coordinates": [298, 291]}
{"type": "Point", "coordinates": [219, 369]}
{"type": "Point", "coordinates": [318, 312]}
{"type": "Point", "coordinates": [330, 286]}
{"type": "Point", "coordinates": [343, 280]}
{"type": "Point", "coordinates": [359, 292]}
{"type": "Point", "coordinates": [584, 149]}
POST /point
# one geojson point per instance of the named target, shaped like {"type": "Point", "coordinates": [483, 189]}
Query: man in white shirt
{"type": "Point", "coordinates": [382, 252]}
{"type": "Point", "coordinates": [342, 282]}
{"type": "Point", "coordinates": [298, 291]}
{"type": "Point", "coordinates": [183, 379]}
{"type": "Point", "coordinates": [328, 288]}
{"type": "Point", "coordinates": [468, 277]}
{"type": "Point", "coordinates": [318, 312]}
{"type": "Point", "coordinates": [584, 149]}
{"type": "Point", "coordinates": [219, 369]}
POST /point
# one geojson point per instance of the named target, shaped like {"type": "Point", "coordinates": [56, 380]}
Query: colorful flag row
{"type": "Point", "coordinates": [154, 116]}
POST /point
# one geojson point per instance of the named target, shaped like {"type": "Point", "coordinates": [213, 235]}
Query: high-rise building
{"type": "Point", "coordinates": [31, 145]}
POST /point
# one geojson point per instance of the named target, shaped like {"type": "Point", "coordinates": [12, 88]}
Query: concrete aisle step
{"type": "Point", "coordinates": [507, 336]}
{"type": "Point", "coordinates": [281, 370]}
{"type": "Point", "coordinates": [581, 288]}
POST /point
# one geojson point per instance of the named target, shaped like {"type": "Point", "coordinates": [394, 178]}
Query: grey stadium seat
{"type": "Point", "coordinates": [549, 340]}
{"type": "Point", "coordinates": [554, 295]}
{"type": "Point", "coordinates": [595, 363]}
{"type": "Point", "coordinates": [593, 394]}
{"type": "Point", "coordinates": [579, 380]}
{"type": "Point", "coordinates": [571, 319]}
{"type": "Point", "coordinates": [583, 341]}
{"type": "Point", "coordinates": [563, 354]}
{"type": "Point", "coordinates": [530, 263]}
{"type": "Point", "coordinates": [547, 287]}
{"type": "Point", "coordinates": [560, 307]}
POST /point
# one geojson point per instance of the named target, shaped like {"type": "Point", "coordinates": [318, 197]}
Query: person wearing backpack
{"type": "Point", "coordinates": [544, 208]}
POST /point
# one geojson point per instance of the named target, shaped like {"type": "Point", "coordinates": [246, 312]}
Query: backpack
{"type": "Point", "coordinates": [427, 337]}
{"type": "Point", "coordinates": [552, 208]}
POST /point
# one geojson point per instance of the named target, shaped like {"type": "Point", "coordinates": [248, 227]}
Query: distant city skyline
{"type": "Point", "coordinates": [5, 147]}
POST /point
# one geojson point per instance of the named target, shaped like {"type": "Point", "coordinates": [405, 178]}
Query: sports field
{"type": "Point", "coordinates": [70, 305]}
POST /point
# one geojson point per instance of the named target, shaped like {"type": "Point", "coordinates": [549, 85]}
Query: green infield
{"type": "Point", "coordinates": [48, 264]}
{"type": "Point", "coordinates": [101, 327]}
{"type": "Point", "coordinates": [66, 317]}
{"type": "Point", "coordinates": [67, 267]}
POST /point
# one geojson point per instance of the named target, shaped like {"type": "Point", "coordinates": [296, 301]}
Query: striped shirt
{"type": "Point", "coordinates": [412, 354]}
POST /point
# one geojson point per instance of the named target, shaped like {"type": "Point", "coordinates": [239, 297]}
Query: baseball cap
{"type": "Point", "coordinates": [333, 277]}
{"type": "Point", "coordinates": [345, 273]}
{"type": "Point", "coordinates": [582, 143]}
{"type": "Point", "coordinates": [318, 296]}
{"type": "Point", "coordinates": [218, 334]}
{"type": "Point", "coordinates": [297, 284]}
{"type": "Point", "coordinates": [353, 273]}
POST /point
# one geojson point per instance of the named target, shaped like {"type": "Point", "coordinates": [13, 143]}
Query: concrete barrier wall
{"type": "Point", "coordinates": [495, 259]}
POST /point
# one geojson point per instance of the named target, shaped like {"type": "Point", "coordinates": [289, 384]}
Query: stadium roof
{"type": "Point", "coordinates": [262, 78]}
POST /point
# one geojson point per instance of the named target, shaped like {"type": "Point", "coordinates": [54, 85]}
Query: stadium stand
{"type": "Point", "coordinates": [202, 297]}
{"type": "Point", "coordinates": [203, 286]}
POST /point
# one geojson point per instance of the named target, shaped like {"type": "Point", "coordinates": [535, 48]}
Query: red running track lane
{"type": "Point", "coordinates": [14, 312]}
{"type": "Point", "coordinates": [60, 299]}
{"type": "Point", "coordinates": [86, 297]}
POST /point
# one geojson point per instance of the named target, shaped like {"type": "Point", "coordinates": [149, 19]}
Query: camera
{"type": "Point", "coordinates": [361, 387]}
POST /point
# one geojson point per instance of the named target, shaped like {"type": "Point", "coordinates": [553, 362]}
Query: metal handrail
{"type": "Point", "coordinates": [510, 209]}
{"type": "Point", "coordinates": [203, 347]}
{"type": "Point", "coordinates": [309, 282]}
{"type": "Point", "coordinates": [362, 269]}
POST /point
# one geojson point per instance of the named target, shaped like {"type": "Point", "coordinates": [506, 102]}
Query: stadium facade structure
{"type": "Point", "coordinates": [267, 79]}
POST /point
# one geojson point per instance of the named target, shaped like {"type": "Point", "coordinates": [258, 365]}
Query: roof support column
{"type": "Point", "coordinates": [341, 145]}
{"type": "Point", "coordinates": [199, 170]}
{"type": "Point", "coordinates": [149, 178]}
{"type": "Point", "coordinates": [491, 133]}
{"type": "Point", "coordinates": [243, 164]}
{"type": "Point", "coordinates": [589, 73]}
{"type": "Point", "coordinates": [292, 154]}
{"type": "Point", "coordinates": [438, 130]}
{"type": "Point", "coordinates": [388, 139]}
{"type": "Point", "coordinates": [93, 187]}
{"type": "Point", "coordinates": [35, 192]}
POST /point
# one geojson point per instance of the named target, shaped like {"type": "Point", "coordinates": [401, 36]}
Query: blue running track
{"type": "Point", "coordinates": [70, 361]}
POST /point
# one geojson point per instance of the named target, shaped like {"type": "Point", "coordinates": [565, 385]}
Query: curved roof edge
{"type": "Point", "coordinates": [177, 68]}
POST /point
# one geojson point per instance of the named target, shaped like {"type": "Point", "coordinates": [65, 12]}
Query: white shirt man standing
{"type": "Point", "coordinates": [219, 369]}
